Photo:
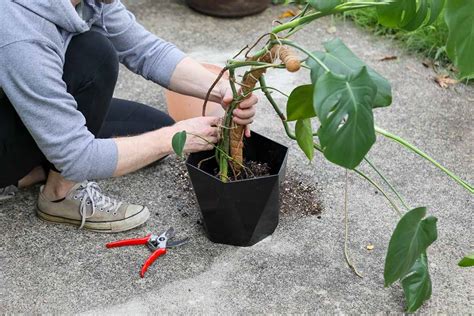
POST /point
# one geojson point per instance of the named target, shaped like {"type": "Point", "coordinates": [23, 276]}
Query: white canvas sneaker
{"type": "Point", "coordinates": [87, 207]}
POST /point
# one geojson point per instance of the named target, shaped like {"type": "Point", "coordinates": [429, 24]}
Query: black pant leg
{"type": "Point", "coordinates": [90, 73]}
{"type": "Point", "coordinates": [19, 153]}
{"type": "Point", "coordinates": [128, 118]}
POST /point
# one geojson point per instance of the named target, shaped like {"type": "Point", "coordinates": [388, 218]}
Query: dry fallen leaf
{"type": "Point", "coordinates": [331, 29]}
{"type": "Point", "coordinates": [444, 81]}
{"type": "Point", "coordinates": [287, 14]}
{"type": "Point", "coordinates": [387, 58]}
{"type": "Point", "coordinates": [370, 247]}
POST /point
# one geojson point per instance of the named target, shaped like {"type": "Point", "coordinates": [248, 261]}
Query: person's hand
{"type": "Point", "coordinates": [245, 112]}
{"type": "Point", "coordinates": [202, 133]}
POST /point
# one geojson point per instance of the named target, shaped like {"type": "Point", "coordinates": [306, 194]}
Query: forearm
{"type": "Point", "coordinates": [191, 78]}
{"type": "Point", "coordinates": [139, 151]}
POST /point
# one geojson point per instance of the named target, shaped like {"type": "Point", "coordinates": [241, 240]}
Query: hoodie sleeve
{"type": "Point", "coordinates": [31, 76]}
{"type": "Point", "coordinates": [138, 49]}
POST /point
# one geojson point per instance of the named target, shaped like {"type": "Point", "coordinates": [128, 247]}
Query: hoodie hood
{"type": "Point", "coordinates": [61, 12]}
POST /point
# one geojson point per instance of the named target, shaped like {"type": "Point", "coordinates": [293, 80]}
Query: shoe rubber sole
{"type": "Point", "coordinates": [101, 227]}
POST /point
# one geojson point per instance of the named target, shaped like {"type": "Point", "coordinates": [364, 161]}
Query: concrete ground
{"type": "Point", "coordinates": [46, 268]}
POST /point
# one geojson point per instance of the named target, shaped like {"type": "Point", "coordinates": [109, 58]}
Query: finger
{"type": "Point", "coordinates": [244, 114]}
{"type": "Point", "coordinates": [249, 102]}
{"type": "Point", "coordinates": [212, 120]}
{"type": "Point", "coordinates": [241, 121]}
{"type": "Point", "coordinates": [212, 131]}
{"type": "Point", "coordinates": [247, 131]}
{"type": "Point", "coordinates": [228, 97]}
{"type": "Point", "coordinates": [212, 139]}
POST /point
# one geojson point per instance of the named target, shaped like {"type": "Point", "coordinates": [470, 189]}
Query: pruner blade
{"type": "Point", "coordinates": [177, 243]}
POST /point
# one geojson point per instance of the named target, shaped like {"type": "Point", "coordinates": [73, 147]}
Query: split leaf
{"type": "Point", "coordinates": [410, 14]}
{"type": "Point", "coordinates": [341, 60]}
{"type": "Point", "coordinates": [344, 108]}
{"type": "Point", "coordinates": [412, 236]}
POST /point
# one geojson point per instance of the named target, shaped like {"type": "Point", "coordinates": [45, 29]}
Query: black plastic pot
{"type": "Point", "coordinates": [228, 8]}
{"type": "Point", "coordinates": [243, 212]}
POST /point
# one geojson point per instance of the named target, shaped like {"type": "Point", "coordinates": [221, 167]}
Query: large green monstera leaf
{"type": "Point", "coordinates": [341, 60]}
{"type": "Point", "coordinates": [343, 105]}
{"type": "Point", "coordinates": [410, 14]}
{"type": "Point", "coordinates": [459, 17]}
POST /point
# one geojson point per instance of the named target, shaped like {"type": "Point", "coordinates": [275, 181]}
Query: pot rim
{"type": "Point", "coordinates": [188, 164]}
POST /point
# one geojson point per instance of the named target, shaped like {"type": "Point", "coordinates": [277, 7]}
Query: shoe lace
{"type": "Point", "coordinates": [91, 194]}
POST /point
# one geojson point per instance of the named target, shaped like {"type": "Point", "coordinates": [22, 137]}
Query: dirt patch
{"type": "Point", "coordinates": [257, 169]}
{"type": "Point", "coordinates": [253, 169]}
{"type": "Point", "coordinates": [300, 198]}
{"type": "Point", "coordinates": [179, 183]}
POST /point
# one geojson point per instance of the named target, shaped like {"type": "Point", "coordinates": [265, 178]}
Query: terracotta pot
{"type": "Point", "coordinates": [228, 8]}
{"type": "Point", "coordinates": [182, 107]}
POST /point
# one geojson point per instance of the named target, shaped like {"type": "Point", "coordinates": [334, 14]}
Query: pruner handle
{"type": "Point", "coordinates": [128, 242]}
{"type": "Point", "coordinates": [157, 253]}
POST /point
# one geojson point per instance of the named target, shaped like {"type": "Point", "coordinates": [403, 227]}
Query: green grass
{"type": "Point", "coordinates": [429, 41]}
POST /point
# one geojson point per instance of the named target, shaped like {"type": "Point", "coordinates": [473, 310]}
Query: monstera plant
{"type": "Point", "coordinates": [333, 113]}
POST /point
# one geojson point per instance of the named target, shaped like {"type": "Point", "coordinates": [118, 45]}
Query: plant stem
{"type": "Point", "coordinates": [316, 15]}
{"type": "Point", "coordinates": [392, 203]}
{"type": "Point", "coordinates": [270, 88]}
{"type": "Point", "coordinates": [270, 99]}
{"type": "Point", "coordinates": [234, 64]}
{"type": "Point", "coordinates": [387, 182]}
{"type": "Point", "coordinates": [300, 21]}
{"type": "Point", "coordinates": [346, 228]}
{"type": "Point", "coordinates": [218, 149]}
{"type": "Point", "coordinates": [360, 173]}
{"type": "Point", "coordinates": [406, 144]}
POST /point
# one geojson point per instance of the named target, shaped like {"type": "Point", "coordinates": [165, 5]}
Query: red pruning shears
{"type": "Point", "coordinates": [156, 243]}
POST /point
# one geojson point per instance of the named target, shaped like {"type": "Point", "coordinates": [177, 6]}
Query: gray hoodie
{"type": "Point", "coordinates": [34, 36]}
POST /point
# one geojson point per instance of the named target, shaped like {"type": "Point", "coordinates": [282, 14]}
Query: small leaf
{"type": "Point", "coordinates": [178, 141]}
{"type": "Point", "coordinates": [467, 261]}
{"type": "Point", "coordinates": [324, 5]}
{"type": "Point", "coordinates": [417, 284]}
{"type": "Point", "coordinates": [344, 108]}
{"type": "Point", "coordinates": [410, 239]}
{"type": "Point", "coordinates": [304, 137]}
{"type": "Point", "coordinates": [300, 103]}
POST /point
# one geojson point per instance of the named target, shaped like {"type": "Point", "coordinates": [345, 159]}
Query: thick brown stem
{"type": "Point", "coordinates": [288, 57]}
{"type": "Point", "coordinates": [249, 81]}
